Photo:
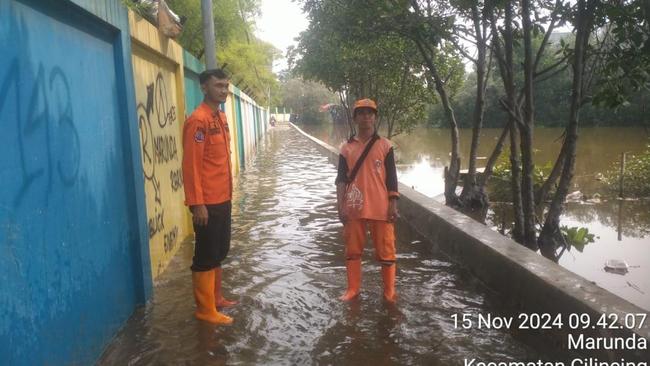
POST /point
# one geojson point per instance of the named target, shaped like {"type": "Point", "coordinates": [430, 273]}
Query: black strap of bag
{"type": "Point", "coordinates": [365, 152]}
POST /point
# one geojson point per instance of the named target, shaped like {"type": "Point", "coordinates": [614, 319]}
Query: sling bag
{"type": "Point", "coordinates": [365, 152]}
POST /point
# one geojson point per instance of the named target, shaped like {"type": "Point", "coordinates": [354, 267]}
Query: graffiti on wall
{"type": "Point", "coordinates": [160, 150]}
{"type": "Point", "coordinates": [45, 128]}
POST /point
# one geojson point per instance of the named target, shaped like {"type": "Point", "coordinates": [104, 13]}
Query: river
{"type": "Point", "coordinates": [621, 228]}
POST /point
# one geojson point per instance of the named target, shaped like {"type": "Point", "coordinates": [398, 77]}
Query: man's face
{"type": "Point", "coordinates": [365, 117]}
{"type": "Point", "coordinates": [215, 90]}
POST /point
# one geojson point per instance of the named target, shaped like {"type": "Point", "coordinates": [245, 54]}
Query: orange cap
{"type": "Point", "coordinates": [365, 103]}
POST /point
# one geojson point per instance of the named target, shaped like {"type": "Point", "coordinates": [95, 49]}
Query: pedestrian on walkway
{"type": "Point", "coordinates": [366, 192]}
{"type": "Point", "coordinates": [207, 178]}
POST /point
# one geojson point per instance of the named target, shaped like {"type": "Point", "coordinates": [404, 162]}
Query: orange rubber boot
{"type": "Point", "coordinates": [388, 275]}
{"type": "Point", "coordinates": [218, 295]}
{"type": "Point", "coordinates": [206, 310]}
{"type": "Point", "coordinates": [354, 279]}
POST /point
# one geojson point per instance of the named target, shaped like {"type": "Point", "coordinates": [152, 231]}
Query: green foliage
{"type": "Point", "coordinates": [304, 98]}
{"type": "Point", "coordinates": [353, 49]}
{"type": "Point", "coordinates": [499, 184]}
{"type": "Point", "coordinates": [552, 99]}
{"type": "Point", "coordinates": [577, 237]}
{"type": "Point", "coordinates": [141, 8]}
{"type": "Point", "coordinates": [248, 59]}
{"type": "Point", "coordinates": [636, 178]}
{"type": "Point", "coordinates": [626, 66]}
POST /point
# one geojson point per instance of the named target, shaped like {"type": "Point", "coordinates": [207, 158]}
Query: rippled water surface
{"type": "Point", "coordinates": [286, 266]}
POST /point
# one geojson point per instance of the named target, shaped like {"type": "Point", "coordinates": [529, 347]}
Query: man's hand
{"type": "Point", "coordinates": [199, 215]}
{"type": "Point", "coordinates": [392, 210]}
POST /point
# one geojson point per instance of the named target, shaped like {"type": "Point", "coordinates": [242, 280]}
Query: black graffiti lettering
{"type": "Point", "coordinates": [146, 143]}
{"type": "Point", "coordinates": [158, 149]}
{"type": "Point", "coordinates": [49, 123]}
{"type": "Point", "coordinates": [160, 100]}
{"type": "Point", "coordinates": [165, 148]}
{"type": "Point", "coordinates": [171, 115]}
{"type": "Point", "coordinates": [68, 168]}
{"type": "Point", "coordinates": [157, 98]}
{"type": "Point", "coordinates": [176, 178]}
{"type": "Point", "coordinates": [156, 189]}
{"type": "Point", "coordinates": [156, 223]}
{"type": "Point", "coordinates": [170, 239]}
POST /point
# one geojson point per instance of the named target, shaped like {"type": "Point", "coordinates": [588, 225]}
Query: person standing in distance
{"type": "Point", "coordinates": [367, 200]}
{"type": "Point", "coordinates": [207, 177]}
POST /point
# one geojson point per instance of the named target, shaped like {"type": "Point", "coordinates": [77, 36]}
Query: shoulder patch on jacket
{"type": "Point", "coordinates": [199, 135]}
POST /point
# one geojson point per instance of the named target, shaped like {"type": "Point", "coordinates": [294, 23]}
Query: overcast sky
{"type": "Point", "coordinates": [280, 23]}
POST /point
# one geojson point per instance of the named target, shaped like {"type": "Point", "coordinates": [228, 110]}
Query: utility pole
{"type": "Point", "coordinates": [208, 35]}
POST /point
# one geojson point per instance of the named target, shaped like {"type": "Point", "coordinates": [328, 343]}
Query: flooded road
{"type": "Point", "coordinates": [286, 267]}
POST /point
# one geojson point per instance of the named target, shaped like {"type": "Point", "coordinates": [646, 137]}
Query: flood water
{"type": "Point", "coordinates": [621, 228]}
{"type": "Point", "coordinates": [286, 267]}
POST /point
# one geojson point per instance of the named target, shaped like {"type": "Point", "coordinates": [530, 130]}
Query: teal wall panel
{"type": "Point", "coordinates": [193, 95]}
{"type": "Point", "coordinates": [240, 130]}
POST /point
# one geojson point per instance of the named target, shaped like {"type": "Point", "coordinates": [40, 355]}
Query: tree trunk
{"type": "Point", "coordinates": [506, 68]}
{"type": "Point", "coordinates": [526, 132]}
{"type": "Point", "coordinates": [542, 193]}
{"type": "Point", "coordinates": [489, 165]}
{"type": "Point", "coordinates": [472, 196]}
{"type": "Point", "coordinates": [515, 184]}
{"type": "Point", "coordinates": [551, 237]}
{"type": "Point", "coordinates": [453, 171]}
{"type": "Point", "coordinates": [348, 115]}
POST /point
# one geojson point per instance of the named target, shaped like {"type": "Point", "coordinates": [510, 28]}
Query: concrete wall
{"type": "Point", "coordinates": [525, 281]}
{"type": "Point", "coordinates": [160, 96]}
{"type": "Point", "coordinates": [74, 260]}
{"type": "Point", "coordinates": [231, 113]}
{"type": "Point", "coordinates": [244, 114]}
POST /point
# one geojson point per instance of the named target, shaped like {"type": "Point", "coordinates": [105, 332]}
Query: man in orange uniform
{"type": "Point", "coordinates": [368, 200]}
{"type": "Point", "coordinates": [207, 180]}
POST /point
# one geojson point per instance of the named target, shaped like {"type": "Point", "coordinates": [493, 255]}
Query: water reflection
{"type": "Point", "coordinates": [424, 176]}
{"type": "Point", "coordinates": [287, 269]}
{"type": "Point", "coordinates": [628, 218]}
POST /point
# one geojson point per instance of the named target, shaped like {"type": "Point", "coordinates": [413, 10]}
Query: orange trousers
{"type": "Point", "coordinates": [382, 234]}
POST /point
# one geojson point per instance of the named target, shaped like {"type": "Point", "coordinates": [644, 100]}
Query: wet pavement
{"type": "Point", "coordinates": [286, 267]}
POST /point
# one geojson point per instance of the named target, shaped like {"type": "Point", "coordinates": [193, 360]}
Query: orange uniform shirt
{"type": "Point", "coordinates": [367, 196]}
{"type": "Point", "coordinates": [207, 176]}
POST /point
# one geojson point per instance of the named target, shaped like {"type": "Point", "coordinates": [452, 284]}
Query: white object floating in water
{"type": "Point", "coordinates": [616, 266]}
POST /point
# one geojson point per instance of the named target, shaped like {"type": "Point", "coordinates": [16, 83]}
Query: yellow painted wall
{"type": "Point", "coordinates": [158, 77]}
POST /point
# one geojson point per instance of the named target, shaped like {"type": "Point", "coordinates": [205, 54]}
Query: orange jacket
{"type": "Point", "coordinates": [207, 177]}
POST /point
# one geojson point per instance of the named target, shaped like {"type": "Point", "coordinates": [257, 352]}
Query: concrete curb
{"type": "Point", "coordinates": [529, 282]}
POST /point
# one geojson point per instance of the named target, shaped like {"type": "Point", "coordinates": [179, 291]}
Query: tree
{"type": "Point", "coordinates": [630, 29]}
{"type": "Point", "coordinates": [304, 98]}
{"type": "Point", "coordinates": [248, 59]}
{"type": "Point", "coordinates": [340, 52]}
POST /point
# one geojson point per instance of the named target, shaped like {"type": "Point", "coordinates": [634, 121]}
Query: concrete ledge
{"type": "Point", "coordinates": [527, 282]}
